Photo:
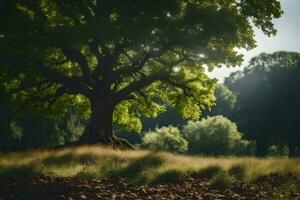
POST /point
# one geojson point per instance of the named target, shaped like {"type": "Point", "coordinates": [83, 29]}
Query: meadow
{"type": "Point", "coordinates": [140, 167]}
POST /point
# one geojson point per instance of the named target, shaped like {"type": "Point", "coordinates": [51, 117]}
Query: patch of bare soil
{"type": "Point", "coordinates": [194, 187]}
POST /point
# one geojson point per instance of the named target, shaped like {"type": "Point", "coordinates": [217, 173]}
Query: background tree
{"type": "Point", "coordinates": [118, 60]}
{"type": "Point", "coordinates": [225, 101]}
{"type": "Point", "coordinates": [216, 135]}
{"type": "Point", "coordinates": [166, 138]}
{"type": "Point", "coordinates": [268, 100]}
{"type": "Point", "coordinates": [33, 131]}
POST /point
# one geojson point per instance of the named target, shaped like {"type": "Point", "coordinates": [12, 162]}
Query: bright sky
{"type": "Point", "coordinates": [287, 38]}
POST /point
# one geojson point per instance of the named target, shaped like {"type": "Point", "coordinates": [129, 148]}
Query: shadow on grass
{"type": "Point", "coordinates": [18, 172]}
{"type": "Point", "coordinates": [106, 166]}
{"type": "Point", "coordinates": [169, 176]}
{"type": "Point", "coordinates": [288, 189]}
{"type": "Point", "coordinates": [209, 172]}
{"type": "Point", "coordinates": [222, 180]}
{"type": "Point", "coordinates": [238, 171]}
{"type": "Point", "coordinates": [140, 170]}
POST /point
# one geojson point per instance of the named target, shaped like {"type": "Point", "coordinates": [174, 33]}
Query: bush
{"type": "Point", "coordinates": [216, 135]}
{"type": "Point", "coordinates": [222, 180]}
{"type": "Point", "coordinates": [165, 139]}
{"type": "Point", "coordinates": [277, 151]}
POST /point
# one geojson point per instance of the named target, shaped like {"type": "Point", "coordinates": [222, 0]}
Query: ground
{"type": "Point", "coordinates": [102, 173]}
{"type": "Point", "coordinates": [266, 187]}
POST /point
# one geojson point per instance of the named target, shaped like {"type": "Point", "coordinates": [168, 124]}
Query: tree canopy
{"type": "Point", "coordinates": [118, 60]}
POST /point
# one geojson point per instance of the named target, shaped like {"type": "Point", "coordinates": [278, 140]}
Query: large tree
{"type": "Point", "coordinates": [123, 59]}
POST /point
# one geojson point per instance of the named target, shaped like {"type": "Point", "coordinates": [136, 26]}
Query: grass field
{"type": "Point", "coordinates": [140, 167]}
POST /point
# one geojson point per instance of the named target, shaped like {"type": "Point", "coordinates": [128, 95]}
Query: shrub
{"type": "Point", "coordinates": [277, 151]}
{"type": "Point", "coordinates": [165, 139]}
{"type": "Point", "coordinates": [216, 135]}
{"type": "Point", "coordinates": [222, 180]}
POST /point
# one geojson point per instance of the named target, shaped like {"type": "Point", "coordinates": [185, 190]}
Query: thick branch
{"type": "Point", "coordinates": [106, 61]}
{"type": "Point", "coordinates": [72, 84]}
{"type": "Point", "coordinates": [76, 56]}
{"type": "Point", "coordinates": [94, 46]}
{"type": "Point", "coordinates": [138, 63]}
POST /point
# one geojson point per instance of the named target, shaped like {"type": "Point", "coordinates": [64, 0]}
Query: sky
{"type": "Point", "coordinates": [287, 38]}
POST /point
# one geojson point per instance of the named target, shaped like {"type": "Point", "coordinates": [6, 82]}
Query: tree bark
{"type": "Point", "coordinates": [100, 130]}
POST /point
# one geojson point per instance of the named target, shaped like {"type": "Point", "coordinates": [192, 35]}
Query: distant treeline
{"type": "Point", "coordinates": [263, 100]}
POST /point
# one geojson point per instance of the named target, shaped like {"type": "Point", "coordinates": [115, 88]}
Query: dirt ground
{"type": "Point", "coordinates": [116, 188]}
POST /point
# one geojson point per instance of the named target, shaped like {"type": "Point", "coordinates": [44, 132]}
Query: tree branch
{"type": "Point", "coordinates": [42, 100]}
{"type": "Point", "coordinates": [137, 85]}
{"type": "Point", "coordinates": [138, 63]}
{"type": "Point", "coordinates": [72, 84]}
{"type": "Point", "coordinates": [78, 57]}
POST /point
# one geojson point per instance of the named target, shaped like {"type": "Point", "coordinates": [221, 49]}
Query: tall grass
{"type": "Point", "coordinates": [137, 166]}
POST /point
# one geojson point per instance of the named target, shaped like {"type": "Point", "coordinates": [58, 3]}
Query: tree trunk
{"type": "Point", "coordinates": [100, 130]}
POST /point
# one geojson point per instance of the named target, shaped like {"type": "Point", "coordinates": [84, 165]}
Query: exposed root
{"type": "Point", "coordinates": [121, 143]}
{"type": "Point", "coordinates": [115, 142]}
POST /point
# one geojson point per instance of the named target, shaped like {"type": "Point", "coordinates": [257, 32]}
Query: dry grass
{"type": "Point", "coordinates": [138, 166]}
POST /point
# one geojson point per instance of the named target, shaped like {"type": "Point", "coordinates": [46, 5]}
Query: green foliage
{"type": "Point", "coordinates": [225, 103]}
{"type": "Point", "coordinates": [136, 55]}
{"type": "Point", "coordinates": [33, 131]}
{"type": "Point", "coordinates": [165, 139]}
{"type": "Point", "coordinates": [268, 100]}
{"type": "Point", "coordinates": [278, 151]}
{"type": "Point", "coordinates": [225, 100]}
{"type": "Point", "coordinates": [215, 135]}
{"type": "Point", "coordinates": [127, 114]}
{"type": "Point", "coordinates": [222, 180]}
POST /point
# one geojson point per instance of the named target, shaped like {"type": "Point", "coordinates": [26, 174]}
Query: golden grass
{"type": "Point", "coordinates": [139, 166]}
